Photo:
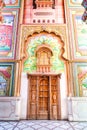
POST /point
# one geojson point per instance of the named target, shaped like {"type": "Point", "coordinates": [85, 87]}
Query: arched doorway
{"type": "Point", "coordinates": [44, 97]}
{"type": "Point", "coordinates": [33, 50]}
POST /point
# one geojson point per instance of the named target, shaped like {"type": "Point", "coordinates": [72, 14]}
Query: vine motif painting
{"type": "Point", "coordinates": [79, 29]}
{"type": "Point", "coordinates": [30, 63]}
{"type": "Point", "coordinates": [6, 79]}
{"type": "Point", "coordinates": [8, 32]}
{"type": "Point", "coordinates": [5, 37]}
{"type": "Point", "coordinates": [80, 76]}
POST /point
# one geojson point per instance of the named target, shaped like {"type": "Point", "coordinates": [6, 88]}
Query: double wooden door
{"type": "Point", "coordinates": [43, 97]}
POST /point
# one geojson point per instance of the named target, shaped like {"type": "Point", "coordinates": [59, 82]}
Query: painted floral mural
{"type": "Point", "coordinates": [6, 79]}
{"type": "Point", "coordinates": [30, 63]}
{"type": "Point", "coordinates": [8, 30]}
{"type": "Point", "coordinates": [80, 75]}
{"type": "Point", "coordinates": [79, 34]}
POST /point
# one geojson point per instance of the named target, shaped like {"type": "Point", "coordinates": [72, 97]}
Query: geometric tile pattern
{"type": "Point", "coordinates": [42, 125]}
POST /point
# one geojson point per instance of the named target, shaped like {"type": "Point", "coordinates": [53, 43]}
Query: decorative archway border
{"type": "Point", "coordinates": [58, 30]}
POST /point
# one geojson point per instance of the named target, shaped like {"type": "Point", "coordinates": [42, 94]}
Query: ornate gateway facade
{"type": "Point", "coordinates": [43, 66]}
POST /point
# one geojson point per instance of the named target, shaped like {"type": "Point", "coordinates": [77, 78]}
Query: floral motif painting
{"type": "Point", "coordinates": [8, 32]}
{"type": "Point", "coordinates": [12, 3]}
{"type": "Point", "coordinates": [6, 79]}
{"type": "Point", "coordinates": [79, 34]}
{"type": "Point", "coordinates": [80, 76]}
{"type": "Point", "coordinates": [74, 3]}
{"type": "Point", "coordinates": [5, 37]}
{"type": "Point", "coordinates": [30, 63]}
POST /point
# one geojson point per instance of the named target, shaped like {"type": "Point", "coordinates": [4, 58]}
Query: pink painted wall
{"type": "Point", "coordinates": [43, 15]}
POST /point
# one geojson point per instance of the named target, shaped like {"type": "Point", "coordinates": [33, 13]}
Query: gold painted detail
{"type": "Point", "coordinates": [59, 30]}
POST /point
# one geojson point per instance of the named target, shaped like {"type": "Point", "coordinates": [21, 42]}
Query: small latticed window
{"type": "Point", "coordinates": [44, 59]}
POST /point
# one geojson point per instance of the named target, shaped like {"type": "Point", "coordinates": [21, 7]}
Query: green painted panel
{"type": "Point", "coordinates": [30, 63]}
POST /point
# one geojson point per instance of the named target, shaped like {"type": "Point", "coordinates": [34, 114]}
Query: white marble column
{"type": "Point", "coordinates": [23, 93]}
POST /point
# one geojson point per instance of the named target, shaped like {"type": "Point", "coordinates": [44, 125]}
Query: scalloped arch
{"type": "Point", "coordinates": [29, 31]}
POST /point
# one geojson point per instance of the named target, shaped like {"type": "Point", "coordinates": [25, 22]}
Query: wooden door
{"type": "Point", "coordinates": [55, 97]}
{"type": "Point", "coordinates": [32, 98]}
{"type": "Point", "coordinates": [44, 97]}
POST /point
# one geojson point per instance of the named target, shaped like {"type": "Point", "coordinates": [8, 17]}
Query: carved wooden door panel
{"type": "Point", "coordinates": [32, 98]}
{"type": "Point", "coordinates": [55, 97]}
{"type": "Point", "coordinates": [44, 97]}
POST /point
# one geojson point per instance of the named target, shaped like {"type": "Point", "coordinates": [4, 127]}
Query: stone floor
{"type": "Point", "coordinates": [42, 125]}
